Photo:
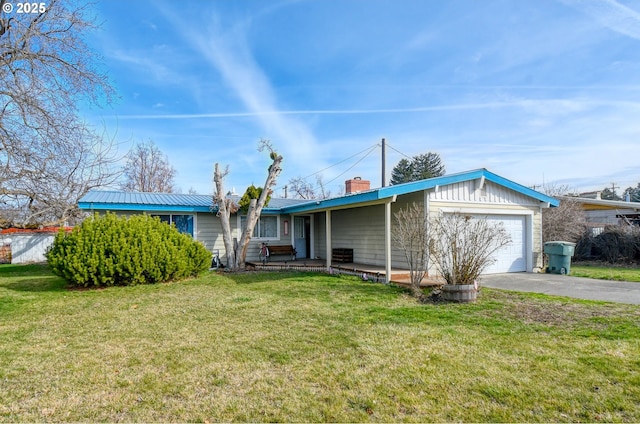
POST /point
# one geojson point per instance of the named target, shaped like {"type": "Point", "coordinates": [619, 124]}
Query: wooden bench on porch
{"type": "Point", "coordinates": [343, 255]}
{"type": "Point", "coordinates": [283, 250]}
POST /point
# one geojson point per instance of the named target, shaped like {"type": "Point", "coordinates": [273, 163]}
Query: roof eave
{"type": "Point", "coordinates": [94, 206]}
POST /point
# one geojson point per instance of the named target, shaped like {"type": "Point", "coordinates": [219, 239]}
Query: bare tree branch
{"type": "Point", "coordinates": [49, 157]}
{"type": "Point", "coordinates": [148, 170]}
{"type": "Point", "coordinates": [462, 246]}
{"type": "Point", "coordinates": [567, 222]}
{"type": "Point", "coordinates": [410, 234]}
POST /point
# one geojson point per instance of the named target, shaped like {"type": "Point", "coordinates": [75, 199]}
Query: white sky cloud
{"type": "Point", "coordinates": [611, 14]}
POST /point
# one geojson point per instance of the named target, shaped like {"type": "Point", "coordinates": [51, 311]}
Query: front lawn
{"type": "Point", "coordinates": [308, 347]}
{"type": "Point", "coordinates": [606, 272]}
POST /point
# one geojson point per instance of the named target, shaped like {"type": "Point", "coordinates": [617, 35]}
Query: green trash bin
{"type": "Point", "coordinates": [559, 253]}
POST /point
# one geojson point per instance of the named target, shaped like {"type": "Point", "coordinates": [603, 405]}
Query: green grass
{"type": "Point", "coordinates": [304, 347]}
{"type": "Point", "coordinates": [606, 272]}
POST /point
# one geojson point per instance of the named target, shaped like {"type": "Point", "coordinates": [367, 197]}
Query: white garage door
{"type": "Point", "coordinates": [513, 257]}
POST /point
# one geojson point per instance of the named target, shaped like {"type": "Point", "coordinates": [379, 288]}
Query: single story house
{"type": "Point", "coordinates": [359, 223]}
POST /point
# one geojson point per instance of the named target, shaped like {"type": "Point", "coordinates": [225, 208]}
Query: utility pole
{"type": "Point", "coordinates": [384, 160]}
{"type": "Point", "coordinates": [285, 191]}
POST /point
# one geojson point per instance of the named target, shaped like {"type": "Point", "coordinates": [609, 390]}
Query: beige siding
{"type": "Point", "coordinates": [208, 230]}
{"type": "Point", "coordinates": [537, 239]}
{"type": "Point", "coordinates": [361, 229]}
{"type": "Point", "coordinates": [398, 259]}
{"type": "Point", "coordinates": [320, 239]}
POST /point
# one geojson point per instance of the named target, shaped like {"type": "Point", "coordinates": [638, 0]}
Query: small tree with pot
{"type": "Point", "coordinates": [462, 247]}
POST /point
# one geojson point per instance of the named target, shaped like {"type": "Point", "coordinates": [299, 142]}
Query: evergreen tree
{"type": "Point", "coordinates": [608, 194]}
{"type": "Point", "coordinates": [420, 167]}
{"type": "Point", "coordinates": [402, 172]}
{"type": "Point", "coordinates": [252, 192]}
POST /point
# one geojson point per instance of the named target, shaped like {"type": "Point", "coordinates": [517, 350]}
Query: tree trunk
{"type": "Point", "coordinates": [224, 212]}
{"type": "Point", "coordinates": [237, 260]}
{"type": "Point", "coordinates": [255, 208]}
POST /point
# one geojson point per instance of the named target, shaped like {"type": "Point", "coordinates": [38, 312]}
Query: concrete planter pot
{"type": "Point", "coordinates": [463, 293]}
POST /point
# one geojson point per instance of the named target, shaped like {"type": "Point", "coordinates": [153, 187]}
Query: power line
{"type": "Point", "coordinates": [343, 160]}
{"type": "Point", "coordinates": [393, 148]}
{"type": "Point", "coordinates": [367, 152]}
{"type": "Point", "coordinates": [352, 166]}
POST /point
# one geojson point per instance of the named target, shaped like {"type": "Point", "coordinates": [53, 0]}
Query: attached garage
{"type": "Point", "coordinates": [511, 258]}
{"type": "Point", "coordinates": [364, 221]}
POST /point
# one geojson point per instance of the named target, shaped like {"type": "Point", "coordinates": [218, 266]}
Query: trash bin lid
{"type": "Point", "coordinates": [559, 243]}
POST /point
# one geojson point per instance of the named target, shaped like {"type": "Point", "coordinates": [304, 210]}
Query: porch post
{"type": "Point", "coordinates": [387, 241]}
{"type": "Point", "coordinates": [328, 238]}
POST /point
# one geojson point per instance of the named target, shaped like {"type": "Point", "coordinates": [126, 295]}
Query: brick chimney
{"type": "Point", "coordinates": [356, 184]}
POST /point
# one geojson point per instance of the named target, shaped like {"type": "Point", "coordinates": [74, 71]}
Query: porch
{"type": "Point", "coordinates": [373, 272]}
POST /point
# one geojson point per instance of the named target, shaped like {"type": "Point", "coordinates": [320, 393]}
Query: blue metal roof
{"type": "Point", "coordinates": [124, 200]}
{"type": "Point", "coordinates": [399, 189]}
{"type": "Point", "coordinates": [171, 202]}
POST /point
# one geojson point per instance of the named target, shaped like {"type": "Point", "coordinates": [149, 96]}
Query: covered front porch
{"type": "Point", "coordinates": [373, 272]}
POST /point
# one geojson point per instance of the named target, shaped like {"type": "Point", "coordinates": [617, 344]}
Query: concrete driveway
{"type": "Point", "coordinates": [564, 285]}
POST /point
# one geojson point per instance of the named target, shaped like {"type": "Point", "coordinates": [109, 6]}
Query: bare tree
{"type": "Point", "coordinates": [410, 234]}
{"type": "Point", "coordinates": [148, 170]}
{"type": "Point", "coordinates": [461, 246]}
{"type": "Point", "coordinates": [567, 222]}
{"type": "Point", "coordinates": [45, 189]}
{"type": "Point", "coordinates": [226, 207]}
{"type": "Point", "coordinates": [48, 156]}
{"type": "Point", "coordinates": [302, 189]}
{"type": "Point", "coordinates": [324, 193]}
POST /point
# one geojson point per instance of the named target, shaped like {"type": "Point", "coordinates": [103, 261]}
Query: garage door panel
{"type": "Point", "coordinates": [512, 257]}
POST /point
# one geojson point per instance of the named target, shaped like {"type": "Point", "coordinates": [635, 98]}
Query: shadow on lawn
{"type": "Point", "coordinates": [30, 278]}
{"type": "Point", "coordinates": [15, 270]}
{"type": "Point", "coordinates": [35, 284]}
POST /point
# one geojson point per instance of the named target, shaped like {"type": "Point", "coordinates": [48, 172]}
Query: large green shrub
{"type": "Point", "coordinates": [109, 250]}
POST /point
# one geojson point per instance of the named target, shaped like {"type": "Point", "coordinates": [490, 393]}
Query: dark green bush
{"type": "Point", "coordinates": [613, 244]}
{"type": "Point", "coordinates": [108, 250]}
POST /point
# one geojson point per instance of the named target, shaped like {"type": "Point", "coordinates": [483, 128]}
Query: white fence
{"type": "Point", "coordinates": [28, 248]}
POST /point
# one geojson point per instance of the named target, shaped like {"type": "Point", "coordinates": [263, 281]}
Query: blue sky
{"type": "Point", "coordinates": [535, 91]}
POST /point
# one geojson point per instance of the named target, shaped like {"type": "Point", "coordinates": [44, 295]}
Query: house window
{"type": "Point", "coordinates": [183, 223]}
{"type": "Point", "coordinates": [266, 227]}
